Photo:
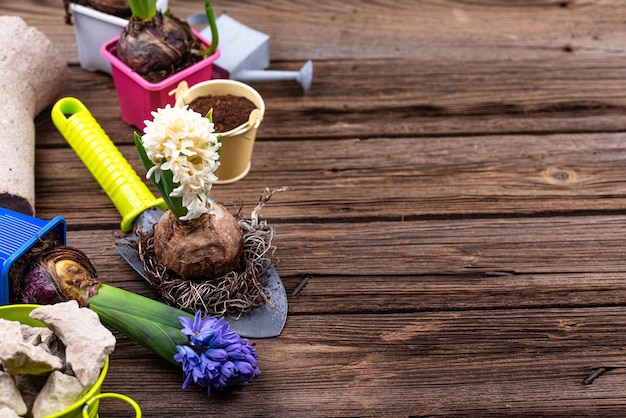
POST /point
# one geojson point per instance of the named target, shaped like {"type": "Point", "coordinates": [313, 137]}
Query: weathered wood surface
{"type": "Point", "coordinates": [455, 212]}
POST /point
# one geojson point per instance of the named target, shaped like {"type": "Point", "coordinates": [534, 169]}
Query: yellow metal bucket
{"type": "Point", "coordinates": [238, 143]}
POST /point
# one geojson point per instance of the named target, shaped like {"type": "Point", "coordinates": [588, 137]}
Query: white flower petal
{"type": "Point", "coordinates": [187, 141]}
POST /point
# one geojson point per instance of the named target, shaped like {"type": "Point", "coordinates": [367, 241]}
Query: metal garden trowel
{"type": "Point", "coordinates": [140, 209]}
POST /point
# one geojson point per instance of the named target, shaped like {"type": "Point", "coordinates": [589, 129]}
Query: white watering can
{"type": "Point", "coordinates": [245, 53]}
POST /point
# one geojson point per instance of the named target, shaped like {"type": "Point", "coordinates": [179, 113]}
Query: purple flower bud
{"type": "Point", "coordinates": [217, 354]}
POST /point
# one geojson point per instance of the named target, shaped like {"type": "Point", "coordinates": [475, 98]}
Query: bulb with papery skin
{"type": "Point", "coordinates": [40, 288]}
{"type": "Point", "coordinates": [157, 47]}
{"type": "Point", "coordinates": [63, 273]}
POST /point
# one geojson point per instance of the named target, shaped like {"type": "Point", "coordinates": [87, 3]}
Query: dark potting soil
{"type": "Point", "coordinates": [119, 8]}
{"type": "Point", "coordinates": [229, 111]}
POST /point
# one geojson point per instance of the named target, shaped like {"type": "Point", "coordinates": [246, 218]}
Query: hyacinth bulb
{"type": "Point", "coordinates": [201, 249]}
{"type": "Point", "coordinates": [156, 47]}
{"type": "Point", "coordinates": [64, 273]}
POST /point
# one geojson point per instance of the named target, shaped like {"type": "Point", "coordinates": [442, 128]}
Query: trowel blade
{"type": "Point", "coordinates": [267, 320]}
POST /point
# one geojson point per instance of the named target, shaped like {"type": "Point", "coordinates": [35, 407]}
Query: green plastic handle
{"type": "Point", "coordinates": [130, 195]}
{"type": "Point", "coordinates": [87, 413]}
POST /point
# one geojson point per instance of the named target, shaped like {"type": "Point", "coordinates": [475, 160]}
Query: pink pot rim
{"type": "Point", "coordinates": [108, 52]}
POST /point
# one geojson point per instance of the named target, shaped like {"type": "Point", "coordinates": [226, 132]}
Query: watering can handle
{"type": "Point", "coordinates": [130, 195]}
{"type": "Point", "coordinates": [121, 397]}
{"type": "Point", "coordinates": [254, 120]}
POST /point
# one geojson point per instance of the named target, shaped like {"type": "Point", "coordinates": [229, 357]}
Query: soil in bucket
{"type": "Point", "coordinates": [229, 111]}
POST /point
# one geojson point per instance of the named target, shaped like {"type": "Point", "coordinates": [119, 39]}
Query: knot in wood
{"type": "Point", "coordinates": [561, 176]}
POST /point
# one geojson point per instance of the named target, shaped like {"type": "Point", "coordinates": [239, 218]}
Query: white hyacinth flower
{"type": "Point", "coordinates": [184, 142]}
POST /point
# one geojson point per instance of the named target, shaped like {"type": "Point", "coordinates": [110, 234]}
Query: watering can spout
{"type": "Point", "coordinates": [304, 76]}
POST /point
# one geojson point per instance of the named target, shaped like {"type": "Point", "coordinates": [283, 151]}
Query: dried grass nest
{"type": "Point", "coordinates": [233, 294]}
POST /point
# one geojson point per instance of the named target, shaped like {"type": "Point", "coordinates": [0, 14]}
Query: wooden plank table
{"type": "Point", "coordinates": [456, 209]}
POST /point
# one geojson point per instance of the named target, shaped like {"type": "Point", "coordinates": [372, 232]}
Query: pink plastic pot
{"type": "Point", "coordinates": [138, 97]}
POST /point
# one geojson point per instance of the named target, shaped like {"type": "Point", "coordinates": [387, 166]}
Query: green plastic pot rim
{"type": "Point", "coordinates": [84, 399]}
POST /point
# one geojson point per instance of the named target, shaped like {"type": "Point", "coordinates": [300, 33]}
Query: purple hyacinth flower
{"type": "Point", "coordinates": [215, 357]}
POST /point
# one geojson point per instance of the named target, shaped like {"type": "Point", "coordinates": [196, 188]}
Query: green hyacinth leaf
{"type": "Point", "coordinates": [143, 9]}
{"type": "Point", "coordinates": [165, 185]}
{"type": "Point", "coordinates": [151, 324]}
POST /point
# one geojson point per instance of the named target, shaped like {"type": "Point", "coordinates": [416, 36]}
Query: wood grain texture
{"type": "Point", "coordinates": [511, 362]}
{"type": "Point", "coordinates": [453, 235]}
{"type": "Point", "coordinates": [386, 178]}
